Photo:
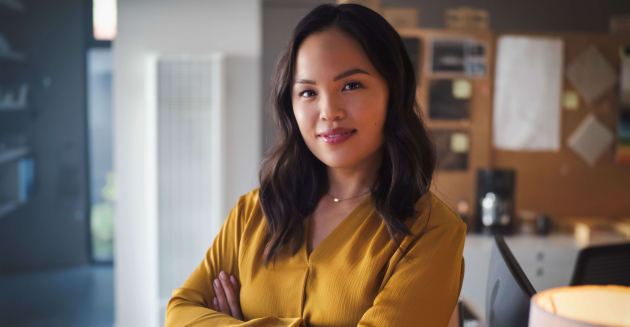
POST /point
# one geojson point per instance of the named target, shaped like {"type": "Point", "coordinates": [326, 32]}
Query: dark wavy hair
{"type": "Point", "coordinates": [293, 180]}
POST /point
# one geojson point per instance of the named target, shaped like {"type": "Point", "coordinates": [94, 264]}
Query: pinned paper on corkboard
{"type": "Point", "coordinates": [527, 93]}
{"type": "Point", "coordinates": [591, 74]}
{"type": "Point", "coordinates": [570, 100]}
{"type": "Point", "coordinates": [458, 57]}
{"type": "Point", "coordinates": [460, 143]}
{"type": "Point", "coordinates": [462, 89]}
{"type": "Point", "coordinates": [590, 139]}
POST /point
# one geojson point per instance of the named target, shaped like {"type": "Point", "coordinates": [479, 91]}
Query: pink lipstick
{"type": "Point", "coordinates": [336, 135]}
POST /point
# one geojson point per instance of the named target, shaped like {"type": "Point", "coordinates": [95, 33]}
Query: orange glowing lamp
{"type": "Point", "coordinates": [583, 306]}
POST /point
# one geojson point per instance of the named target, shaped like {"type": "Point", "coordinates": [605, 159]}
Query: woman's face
{"type": "Point", "coordinates": [339, 99]}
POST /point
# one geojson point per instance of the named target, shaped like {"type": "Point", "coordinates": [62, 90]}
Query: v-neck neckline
{"type": "Point", "coordinates": [351, 217]}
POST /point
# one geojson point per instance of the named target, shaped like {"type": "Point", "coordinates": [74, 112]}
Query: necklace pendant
{"type": "Point", "coordinates": [336, 200]}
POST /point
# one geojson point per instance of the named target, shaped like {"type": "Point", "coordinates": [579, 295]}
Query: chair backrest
{"type": "Point", "coordinates": [603, 265]}
{"type": "Point", "coordinates": [508, 291]}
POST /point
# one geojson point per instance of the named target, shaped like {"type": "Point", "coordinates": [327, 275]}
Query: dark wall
{"type": "Point", "coordinates": [50, 230]}
{"type": "Point", "coordinates": [583, 16]}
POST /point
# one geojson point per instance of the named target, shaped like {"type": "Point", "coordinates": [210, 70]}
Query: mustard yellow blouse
{"type": "Point", "coordinates": [354, 277]}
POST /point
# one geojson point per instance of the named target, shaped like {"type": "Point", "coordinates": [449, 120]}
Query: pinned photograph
{"type": "Point", "coordinates": [465, 57]}
{"type": "Point", "coordinates": [449, 99]}
{"type": "Point", "coordinates": [452, 149]}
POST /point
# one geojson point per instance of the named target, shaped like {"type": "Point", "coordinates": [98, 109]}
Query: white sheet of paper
{"type": "Point", "coordinates": [590, 139]}
{"type": "Point", "coordinates": [527, 93]}
{"type": "Point", "coordinates": [591, 74]}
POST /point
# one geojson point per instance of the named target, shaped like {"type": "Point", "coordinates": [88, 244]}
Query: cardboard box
{"type": "Point", "coordinates": [466, 18]}
{"type": "Point", "coordinates": [402, 17]}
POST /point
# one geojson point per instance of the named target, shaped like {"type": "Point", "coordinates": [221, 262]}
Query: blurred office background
{"type": "Point", "coordinates": [128, 130]}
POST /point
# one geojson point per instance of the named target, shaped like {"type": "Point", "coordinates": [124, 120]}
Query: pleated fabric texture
{"type": "Point", "coordinates": [355, 277]}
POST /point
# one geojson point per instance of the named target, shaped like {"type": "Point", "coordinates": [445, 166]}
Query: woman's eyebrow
{"type": "Point", "coordinates": [338, 77]}
{"type": "Point", "coordinates": [350, 72]}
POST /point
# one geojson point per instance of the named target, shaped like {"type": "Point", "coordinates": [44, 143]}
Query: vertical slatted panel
{"type": "Point", "coordinates": [186, 106]}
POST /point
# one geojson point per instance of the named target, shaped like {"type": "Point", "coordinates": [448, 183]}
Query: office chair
{"type": "Point", "coordinates": [508, 292]}
{"type": "Point", "coordinates": [603, 265]}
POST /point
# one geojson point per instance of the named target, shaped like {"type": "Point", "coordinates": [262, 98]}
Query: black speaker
{"type": "Point", "coordinates": [495, 201]}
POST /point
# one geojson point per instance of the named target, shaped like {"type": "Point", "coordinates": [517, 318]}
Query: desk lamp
{"type": "Point", "coordinates": [584, 306]}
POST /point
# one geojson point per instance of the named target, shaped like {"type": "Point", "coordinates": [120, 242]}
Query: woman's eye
{"type": "Point", "coordinates": [307, 93]}
{"type": "Point", "coordinates": [352, 86]}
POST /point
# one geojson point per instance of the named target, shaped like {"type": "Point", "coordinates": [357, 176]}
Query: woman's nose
{"type": "Point", "coordinates": [331, 108]}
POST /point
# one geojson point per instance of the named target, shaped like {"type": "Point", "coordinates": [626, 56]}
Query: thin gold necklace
{"type": "Point", "coordinates": [338, 200]}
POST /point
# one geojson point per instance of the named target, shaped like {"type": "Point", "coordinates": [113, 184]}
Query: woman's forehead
{"type": "Point", "coordinates": [330, 52]}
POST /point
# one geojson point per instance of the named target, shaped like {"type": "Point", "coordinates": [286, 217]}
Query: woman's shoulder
{"type": "Point", "coordinates": [435, 214]}
{"type": "Point", "coordinates": [248, 205]}
{"type": "Point", "coordinates": [249, 199]}
{"type": "Point", "coordinates": [436, 227]}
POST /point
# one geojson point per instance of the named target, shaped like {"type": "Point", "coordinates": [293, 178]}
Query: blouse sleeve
{"type": "Point", "coordinates": [190, 304]}
{"type": "Point", "coordinates": [425, 285]}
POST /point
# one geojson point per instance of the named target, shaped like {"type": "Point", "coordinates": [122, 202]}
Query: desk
{"type": "Point", "coordinates": [548, 262]}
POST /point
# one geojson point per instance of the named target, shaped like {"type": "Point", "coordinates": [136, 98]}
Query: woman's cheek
{"type": "Point", "coordinates": [305, 123]}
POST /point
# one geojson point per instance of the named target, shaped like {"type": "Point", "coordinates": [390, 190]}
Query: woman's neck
{"type": "Point", "coordinates": [347, 182]}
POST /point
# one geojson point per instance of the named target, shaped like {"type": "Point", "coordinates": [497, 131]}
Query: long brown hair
{"type": "Point", "coordinates": [293, 180]}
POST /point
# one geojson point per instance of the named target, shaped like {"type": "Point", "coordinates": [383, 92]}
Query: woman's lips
{"type": "Point", "coordinates": [337, 135]}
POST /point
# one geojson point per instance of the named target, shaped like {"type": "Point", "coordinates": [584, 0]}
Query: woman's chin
{"type": "Point", "coordinates": [348, 157]}
{"type": "Point", "coordinates": [339, 163]}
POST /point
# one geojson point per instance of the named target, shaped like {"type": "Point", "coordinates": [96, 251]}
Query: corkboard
{"type": "Point", "coordinates": [560, 183]}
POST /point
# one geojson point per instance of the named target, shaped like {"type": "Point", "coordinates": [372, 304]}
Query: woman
{"type": "Point", "coordinates": [343, 230]}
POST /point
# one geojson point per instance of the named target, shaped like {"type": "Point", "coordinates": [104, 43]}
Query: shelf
{"type": "Point", "coordinates": [8, 207]}
{"type": "Point", "coordinates": [10, 155]}
{"type": "Point", "coordinates": [13, 4]}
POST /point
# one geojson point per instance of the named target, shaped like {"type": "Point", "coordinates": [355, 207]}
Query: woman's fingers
{"type": "Point", "coordinates": [236, 286]}
{"type": "Point", "coordinates": [221, 299]}
{"type": "Point", "coordinates": [231, 295]}
{"type": "Point", "coordinates": [215, 304]}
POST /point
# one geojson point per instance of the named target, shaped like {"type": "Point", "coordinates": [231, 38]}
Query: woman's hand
{"type": "Point", "coordinates": [228, 293]}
